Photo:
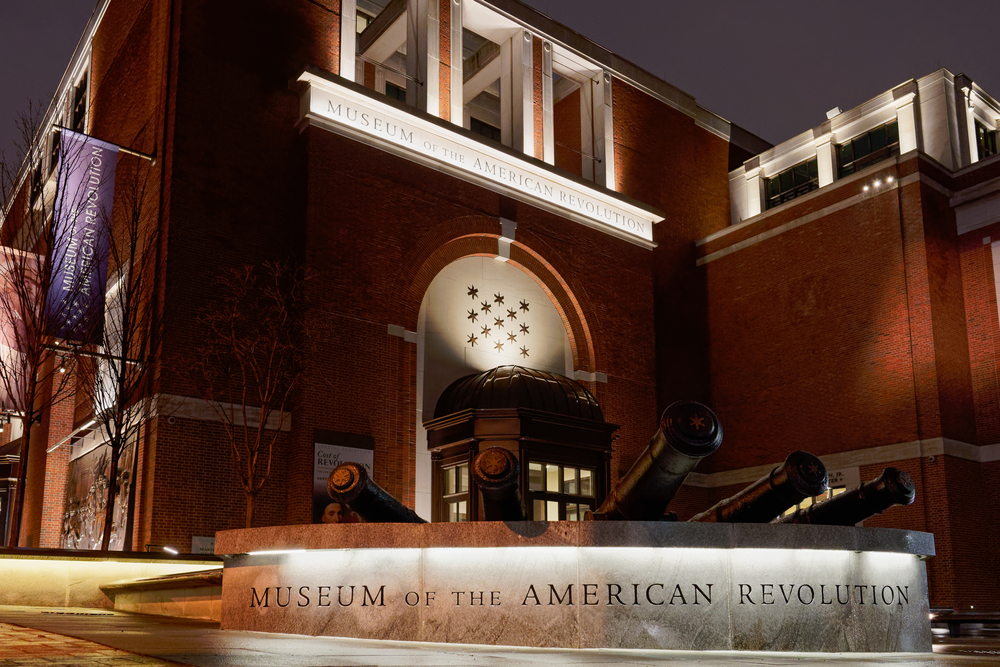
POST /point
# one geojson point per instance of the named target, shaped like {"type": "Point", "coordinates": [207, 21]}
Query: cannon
{"type": "Point", "coordinates": [688, 432]}
{"type": "Point", "coordinates": [497, 473]}
{"type": "Point", "coordinates": [350, 484]}
{"type": "Point", "coordinates": [893, 487]}
{"type": "Point", "coordinates": [800, 476]}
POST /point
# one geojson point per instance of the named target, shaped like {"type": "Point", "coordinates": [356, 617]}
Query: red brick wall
{"type": "Point", "coordinates": [538, 96]}
{"type": "Point", "coordinates": [664, 159]}
{"type": "Point", "coordinates": [983, 329]}
{"type": "Point", "coordinates": [444, 57]}
{"type": "Point", "coordinates": [566, 126]}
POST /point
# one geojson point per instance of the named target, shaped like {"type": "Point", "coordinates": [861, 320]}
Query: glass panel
{"type": "Point", "coordinates": [535, 477]}
{"type": "Point", "coordinates": [551, 510]}
{"type": "Point", "coordinates": [806, 503]}
{"type": "Point", "coordinates": [837, 490]}
{"type": "Point", "coordinates": [538, 510]}
{"type": "Point", "coordinates": [787, 180]}
{"type": "Point", "coordinates": [878, 138]}
{"type": "Point", "coordinates": [552, 478]}
{"type": "Point", "coordinates": [462, 512]}
{"type": "Point", "coordinates": [572, 513]}
{"type": "Point", "coordinates": [813, 169]}
{"type": "Point", "coordinates": [449, 481]}
{"type": "Point", "coordinates": [586, 483]}
{"type": "Point", "coordinates": [463, 477]}
{"type": "Point", "coordinates": [862, 146]}
{"type": "Point", "coordinates": [772, 187]}
{"type": "Point", "coordinates": [569, 481]}
{"type": "Point", "coordinates": [801, 172]}
{"type": "Point", "coordinates": [892, 132]}
{"type": "Point", "coordinates": [846, 153]}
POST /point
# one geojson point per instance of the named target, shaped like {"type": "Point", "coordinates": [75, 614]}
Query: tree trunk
{"type": "Point", "coordinates": [17, 509]}
{"type": "Point", "coordinates": [109, 509]}
{"type": "Point", "coordinates": [250, 500]}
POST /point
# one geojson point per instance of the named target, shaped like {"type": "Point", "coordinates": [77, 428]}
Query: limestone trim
{"type": "Point", "coordinates": [869, 456]}
{"type": "Point", "coordinates": [188, 407]}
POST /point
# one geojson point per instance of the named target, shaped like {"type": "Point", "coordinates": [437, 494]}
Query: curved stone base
{"type": "Point", "coordinates": [585, 585]}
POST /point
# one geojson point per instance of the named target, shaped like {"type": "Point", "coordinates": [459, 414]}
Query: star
{"type": "Point", "coordinates": [524, 329]}
{"type": "Point", "coordinates": [698, 422]}
{"type": "Point", "coordinates": [814, 469]}
{"type": "Point", "coordinates": [498, 321]}
{"type": "Point", "coordinates": [512, 338]}
{"type": "Point", "coordinates": [486, 331]}
{"type": "Point", "coordinates": [472, 340]}
{"type": "Point", "coordinates": [524, 352]}
{"type": "Point", "coordinates": [499, 346]}
{"type": "Point", "coordinates": [486, 307]}
{"type": "Point", "coordinates": [473, 291]}
{"type": "Point", "coordinates": [524, 305]}
{"type": "Point", "coordinates": [511, 314]}
{"type": "Point", "coordinates": [498, 298]}
{"type": "Point", "coordinates": [473, 315]}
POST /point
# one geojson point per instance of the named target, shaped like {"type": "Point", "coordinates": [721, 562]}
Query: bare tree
{"type": "Point", "coordinates": [33, 373]}
{"type": "Point", "coordinates": [116, 368]}
{"type": "Point", "coordinates": [252, 361]}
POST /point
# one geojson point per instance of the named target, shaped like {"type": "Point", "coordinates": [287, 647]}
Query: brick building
{"type": "Point", "coordinates": [834, 293]}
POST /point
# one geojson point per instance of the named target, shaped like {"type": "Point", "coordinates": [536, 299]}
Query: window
{"type": "Point", "coordinates": [53, 151]}
{"type": "Point", "coordinates": [867, 149]}
{"type": "Point", "coordinates": [456, 492]}
{"type": "Point", "coordinates": [484, 129]}
{"type": "Point", "coordinates": [791, 183]}
{"type": "Point", "coordinates": [395, 92]}
{"type": "Point", "coordinates": [558, 492]}
{"type": "Point", "coordinates": [35, 185]}
{"type": "Point", "coordinates": [986, 141]}
{"type": "Point", "coordinates": [363, 21]}
{"type": "Point", "coordinates": [79, 111]}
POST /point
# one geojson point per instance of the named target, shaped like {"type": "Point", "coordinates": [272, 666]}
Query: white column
{"type": "Point", "coordinates": [755, 186]}
{"type": "Point", "coordinates": [587, 129]}
{"type": "Point", "coordinates": [457, 74]}
{"type": "Point", "coordinates": [604, 133]}
{"type": "Point", "coordinates": [517, 120]}
{"type": "Point", "coordinates": [906, 116]}
{"type": "Point", "coordinates": [548, 113]}
{"type": "Point", "coordinates": [968, 110]}
{"type": "Point", "coordinates": [826, 160]}
{"type": "Point", "coordinates": [423, 48]}
{"type": "Point", "coordinates": [348, 38]}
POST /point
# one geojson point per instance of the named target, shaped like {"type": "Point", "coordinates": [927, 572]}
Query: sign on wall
{"type": "Point", "coordinates": [357, 114]}
{"type": "Point", "coordinates": [330, 450]}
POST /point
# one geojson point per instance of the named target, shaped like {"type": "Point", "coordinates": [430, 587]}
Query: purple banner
{"type": "Point", "coordinates": [84, 195]}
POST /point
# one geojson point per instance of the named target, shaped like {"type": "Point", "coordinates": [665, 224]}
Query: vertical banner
{"type": "Point", "coordinates": [84, 195]}
{"type": "Point", "coordinates": [331, 449]}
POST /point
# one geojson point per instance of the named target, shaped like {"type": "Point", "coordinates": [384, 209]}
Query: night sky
{"type": "Point", "coordinates": [774, 68]}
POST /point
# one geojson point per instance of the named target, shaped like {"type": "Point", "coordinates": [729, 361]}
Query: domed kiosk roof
{"type": "Point", "coordinates": [507, 387]}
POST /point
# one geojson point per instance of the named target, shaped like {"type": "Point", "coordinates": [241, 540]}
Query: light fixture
{"type": "Point", "coordinates": [171, 550]}
{"type": "Point", "coordinates": [62, 369]}
{"type": "Point", "coordinates": [888, 179]}
{"type": "Point", "coordinates": [865, 188]}
{"type": "Point", "coordinates": [877, 182]}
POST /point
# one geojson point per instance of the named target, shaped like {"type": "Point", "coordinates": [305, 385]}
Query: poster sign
{"type": "Point", "coordinates": [84, 195]}
{"type": "Point", "coordinates": [330, 450]}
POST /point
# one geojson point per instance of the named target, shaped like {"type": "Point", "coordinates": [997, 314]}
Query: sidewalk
{"type": "Point", "coordinates": [91, 637]}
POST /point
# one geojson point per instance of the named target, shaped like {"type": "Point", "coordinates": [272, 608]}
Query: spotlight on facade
{"type": "Point", "coordinates": [878, 183]}
{"type": "Point", "coordinates": [888, 179]}
{"type": "Point", "coordinates": [865, 188]}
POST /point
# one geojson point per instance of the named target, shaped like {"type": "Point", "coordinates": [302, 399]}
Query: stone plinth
{"type": "Point", "coordinates": [585, 585]}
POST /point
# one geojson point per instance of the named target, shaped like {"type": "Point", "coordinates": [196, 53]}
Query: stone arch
{"type": "Point", "coordinates": [472, 236]}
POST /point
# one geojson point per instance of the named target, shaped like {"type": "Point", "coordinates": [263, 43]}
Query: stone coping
{"type": "Point", "coordinates": [572, 534]}
{"type": "Point", "coordinates": [87, 555]}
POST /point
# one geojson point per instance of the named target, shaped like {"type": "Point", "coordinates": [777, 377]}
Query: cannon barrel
{"type": "Point", "coordinates": [688, 432]}
{"type": "Point", "coordinates": [892, 487]}
{"type": "Point", "coordinates": [800, 476]}
{"type": "Point", "coordinates": [498, 475]}
{"type": "Point", "coordinates": [350, 484]}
